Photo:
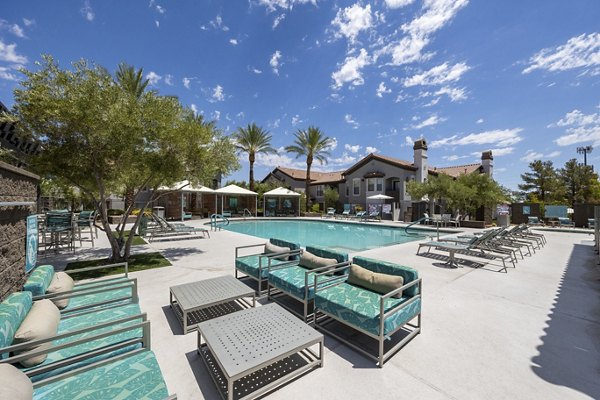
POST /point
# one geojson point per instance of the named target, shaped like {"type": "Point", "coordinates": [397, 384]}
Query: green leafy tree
{"type": "Point", "coordinates": [99, 139]}
{"type": "Point", "coordinates": [253, 140]}
{"type": "Point", "coordinates": [542, 183]}
{"type": "Point", "coordinates": [331, 197]}
{"type": "Point", "coordinates": [581, 183]}
{"type": "Point", "coordinates": [313, 144]}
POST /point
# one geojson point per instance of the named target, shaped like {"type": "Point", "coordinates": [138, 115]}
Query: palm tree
{"type": "Point", "coordinates": [313, 144]}
{"type": "Point", "coordinates": [133, 83]}
{"type": "Point", "coordinates": [253, 140]}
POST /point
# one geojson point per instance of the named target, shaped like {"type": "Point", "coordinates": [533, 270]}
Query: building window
{"type": "Point", "coordinates": [319, 190]}
{"type": "Point", "coordinates": [356, 186]}
{"type": "Point", "coordinates": [374, 184]}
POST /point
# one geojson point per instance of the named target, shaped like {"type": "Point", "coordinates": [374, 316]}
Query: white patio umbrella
{"type": "Point", "coordinates": [379, 197]}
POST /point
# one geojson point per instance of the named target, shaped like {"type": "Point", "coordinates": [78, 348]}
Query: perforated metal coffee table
{"type": "Point", "coordinates": [254, 351]}
{"type": "Point", "coordinates": [198, 301]}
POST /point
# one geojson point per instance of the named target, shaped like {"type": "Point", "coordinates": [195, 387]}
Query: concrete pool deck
{"type": "Point", "coordinates": [533, 332]}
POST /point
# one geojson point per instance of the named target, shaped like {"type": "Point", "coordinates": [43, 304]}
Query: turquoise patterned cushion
{"type": "Point", "coordinates": [39, 280]}
{"type": "Point", "coordinates": [249, 265]}
{"type": "Point", "coordinates": [359, 307]}
{"type": "Point", "coordinates": [292, 280]}
{"type": "Point", "coordinates": [132, 378]}
{"type": "Point", "coordinates": [383, 267]}
{"type": "Point", "coordinates": [86, 320]}
{"type": "Point", "coordinates": [98, 297]}
{"type": "Point", "coordinates": [13, 311]}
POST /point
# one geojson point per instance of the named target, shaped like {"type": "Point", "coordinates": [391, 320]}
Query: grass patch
{"type": "Point", "coordinates": [137, 240]}
{"type": "Point", "coordinates": [137, 262]}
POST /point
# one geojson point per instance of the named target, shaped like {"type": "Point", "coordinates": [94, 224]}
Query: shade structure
{"type": "Point", "coordinates": [234, 190]}
{"type": "Point", "coordinates": [185, 187]}
{"type": "Point", "coordinates": [280, 193]}
{"type": "Point", "coordinates": [380, 197]}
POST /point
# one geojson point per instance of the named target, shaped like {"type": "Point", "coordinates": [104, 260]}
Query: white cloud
{"type": "Point", "coordinates": [350, 71]}
{"type": "Point", "coordinates": [87, 11]}
{"type": "Point", "coordinates": [453, 157]}
{"type": "Point", "coordinates": [579, 52]}
{"type": "Point", "coordinates": [280, 158]}
{"type": "Point", "coordinates": [153, 77]}
{"type": "Point", "coordinates": [398, 3]}
{"type": "Point", "coordinates": [349, 120]}
{"type": "Point", "coordinates": [438, 75]}
{"type": "Point", "coordinates": [278, 20]}
{"type": "Point", "coordinates": [8, 54]}
{"type": "Point", "coordinates": [480, 121]}
{"type": "Point", "coordinates": [233, 42]}
{"type": "Point", "coordinates": [256, 70]}
{"type": "Point", "coordinates": [273, 5]}
{"type": "Point", "coordinates": [274, 124]}
{"type": "Point", "coordinates": [503, 151]}
{"type": "Point", "coordinates": [581, 128]}
{"type": "Point", "coordinates": [333, 143]}
{"type": "Point", "coordinates": [217, 94]}
{"type": "Point", "coordinates": [353, 148]}
{"type": "Point", "coordinates": [370, 150]}
{"type": "Point", "coordinates": [6, 74]}
{"type": "Point", "coordinates": [169, 79]}
{"type": "Point", "coordinates": [160, 9]}
{"type": "Point", "coordinates": [157, 23]}
{"type": "Point", "coordinates": [186, 82]}
{"type": "Point", "coordinates": [194, 108]}
{"type": "Point", "coordinates": [430, 121]}
{"type": "Point", "coordinates": [350, 21]}
{"type": "Point", "coordinates": [531, 155]}
{"type": "Point", "coordinates": [501, 138]}
{"type": "Point", "coordinates": [240, 115]}
{"type": "Point", "coordinates": [454, 94]}
{"type": "Point", "coordinates": [216, 115]}
{"type": "Point", "coordinates": [296, 120]}
{"type": "Point", "coordinates": [216, 24]}
{"type": "Point", "coordinates": [274, 62]}
{"type": "Point", "coordinates": [16, 30]}
{"type": "Point", "coordinates": [381, 90]}
{"type": "Point", "coordinates": [28, 22]}
{"type": "Point", "coordinates": [408, 141]}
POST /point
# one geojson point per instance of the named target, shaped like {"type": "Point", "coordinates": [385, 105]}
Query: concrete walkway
{"type": "Point", "coordinates": [533, 332]}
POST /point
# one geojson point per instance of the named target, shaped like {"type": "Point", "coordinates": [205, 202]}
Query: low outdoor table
{"type": "Point", "coordinates": [254, 351]}
{"type": "Point", "coordinates": [192, 301]}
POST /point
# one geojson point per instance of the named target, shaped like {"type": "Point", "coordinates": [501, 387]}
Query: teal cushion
{"type": "Point", "coordinates": [359, 308]}
{"type": "Point", "coordinates": [284, 243]}
{"type": "Point", "coordinates": [291, 280]}
{"type": "Point", "coordinates": [384, 267]}
{"type": "Point", "coordinates": [86, 320]}
{"type": "Point", "coordinates": [39, 280]}
{"type": "Point", "coordinates": [134, 377]}
{"type": "Point", "coordinates": [13, 311]}
{"type": "Point", "coordinates": [327, 253]}
{"type": "Point", "coordinates": [86, 300]}
{"type": "Point", "coordinates": [250, 265]}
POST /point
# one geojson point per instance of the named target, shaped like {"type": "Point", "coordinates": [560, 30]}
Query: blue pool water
{"type": "Point", "coordinates": [335, 235]}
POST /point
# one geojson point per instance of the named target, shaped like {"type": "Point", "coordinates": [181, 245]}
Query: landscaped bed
{"type": "Point", "coordinates": [136, 262]}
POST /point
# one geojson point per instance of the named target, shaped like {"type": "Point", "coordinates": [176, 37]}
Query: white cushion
{"type": "Point", "coordinates": [61, 282]}
{"type": "Point", "coordinates": [311, 261]}
{"type": "Point", "coordinates": [14, 384]}
{"type": "Point", "coordinates": [40, 323]}
{"type": "Point", "coordinates": [271, 248]}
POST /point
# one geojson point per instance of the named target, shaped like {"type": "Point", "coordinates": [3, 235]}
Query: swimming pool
{"type": "Point", "coordinates": [335, 235]}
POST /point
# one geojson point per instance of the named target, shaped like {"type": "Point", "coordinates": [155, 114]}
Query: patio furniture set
{"type": "Point", "coordinates": [63, 339]}
{"type": "Point", "coordinates": [557, 222]}
{"type": "Point", "coordinates": [156, 227]}
{"type": "Point", "coordinates": [62, 229]}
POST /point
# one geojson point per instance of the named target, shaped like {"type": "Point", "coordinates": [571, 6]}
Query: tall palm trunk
{"type": "Point", "coordinates": [307, 189]}
{"type": "Point", "coordinates": [251, 159]}
{"type": "Point", "coordinates": [129, 193]}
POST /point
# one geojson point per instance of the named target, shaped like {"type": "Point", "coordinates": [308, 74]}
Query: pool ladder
{"type": "Point", "coordinates": [218, 221]}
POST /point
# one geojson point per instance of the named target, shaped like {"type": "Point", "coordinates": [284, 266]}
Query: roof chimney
{"type": "Point", "coordinates": [420, 160]}
{"type": "Point", "coordinates": [487, 162]}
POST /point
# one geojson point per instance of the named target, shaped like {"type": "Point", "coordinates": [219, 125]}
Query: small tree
{"type": "Point", "coordinates": [542, 183]}
{"type": "Point", "coordinates": [331, 197]}
{"type": "Point", "coordinates": [99, 139]}
{"type": "Point", "coordinates": [580, 181]}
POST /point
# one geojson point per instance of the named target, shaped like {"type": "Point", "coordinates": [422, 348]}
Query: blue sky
{"type": "Point", "coordinates": [521, 78]}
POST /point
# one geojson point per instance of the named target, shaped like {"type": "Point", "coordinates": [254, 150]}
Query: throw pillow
{"type": "Point", "coordinates": [41, 323]}
{"type": "Point", "coordinates": [375, 281]}
{"type": "Point", "coordinates": [61, 282]}
{"type": "Point", "coordinates": [312, 261]}
{"type": "Point", "coordinates": [14, 384]}
{"type": "Point", "coordinates": [271, 248]}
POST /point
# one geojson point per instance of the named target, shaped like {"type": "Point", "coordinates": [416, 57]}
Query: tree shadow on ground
{"type": "Point", "coordinates": [174, 254]}
{"type": "Point", "coordinates": [570, 351]}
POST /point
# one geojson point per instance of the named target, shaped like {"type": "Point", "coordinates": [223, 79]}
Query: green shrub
{"type": "Point", "coordinates": [115, 211]}
{"type": "Point", "coordinates": [315, 208]}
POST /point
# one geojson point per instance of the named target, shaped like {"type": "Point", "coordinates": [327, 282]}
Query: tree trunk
{"type": "Point", "coordinates": [129, 194]}
{"type": "Point", "coordinates": [307, 188]}
{"type": "Point", "coordinates": [251, 159]}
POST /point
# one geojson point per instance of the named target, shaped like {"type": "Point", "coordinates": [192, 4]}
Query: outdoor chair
{"type": "Point", "coordinates": [346, 213]}
{"type": "Point", "coordinates": [296, 281]}
{"type": "Point", "coordinates": [58, 232]}
{"type": "Point", "coordinates": [330, 213]}
{"type": "Point", "coordinates": [523, 231]}
{"type": "Point", "coordinates": [72, 297]}
{"type": "Point", "coordinates": [255, 266]}
{"type": "Point", "coordinates": [44, 343]}
{"type": "Point", "coordinates": [566, 222]}
{"type": "Point", "coordinates": [591, 223]}
{"type": "Point", "coordinates": [86, 221]}
{"type": "Point", "coordinates": [360, 214]}
{"type": "Point", "coordinates": [373, 215]}
{"type": "Point", "coordinates": [376, 298]}
{"type": "Point", "coordinates": [455, 221]}
{"type": "Point", "coordinates": [534, 221]}
{"type": "Point", "coordinates": [427, 219]}
{"type": "Point", "coordinates": [186, 215]}
{"type": "Point", "coordinates": [165, 230]}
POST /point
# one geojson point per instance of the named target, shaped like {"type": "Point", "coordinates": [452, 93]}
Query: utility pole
{"type": "Point", "coordinates": [585, 150]}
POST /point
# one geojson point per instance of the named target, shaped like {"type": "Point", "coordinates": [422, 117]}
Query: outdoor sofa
{"type": "Point", "coordinates": [297, 280]}
{"type": "Point", "coordinates": [382, 314]}
{"type": "Point", "coordinates": [256, 265]}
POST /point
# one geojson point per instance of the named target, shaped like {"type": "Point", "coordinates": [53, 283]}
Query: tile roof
{"type": "Point", "coordinates": [386, 159]}
{"type": "Point", "coordinates": [457, 170]}
{"type": "Point", "coordinates": [316, 177]}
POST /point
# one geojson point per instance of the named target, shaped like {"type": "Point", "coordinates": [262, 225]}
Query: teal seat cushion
{"type": "Point", "coordinates": [292, 280]}
{"type": "Point", "coordinates": [384, 267]}
{"type": "Point", "coordinates": [131, 378]}
{"type": "Point", "coordinates": [359, 308]}
{"type": "Point", "coordinates": [86, 320]}
{"type": "Point", "coordinates": [80, 301]}
{"type": "Point", "coordinates": [13, 311]}
{"type": "Point", "coordinates": [250, 265]}
{"type": "Point", "coordinates": [39, 280]}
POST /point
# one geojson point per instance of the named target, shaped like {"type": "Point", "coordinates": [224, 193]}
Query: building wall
{"type": "Point", "coordinates": [16, 185]}
{"type": "Point", "coordinates": [282, 179]}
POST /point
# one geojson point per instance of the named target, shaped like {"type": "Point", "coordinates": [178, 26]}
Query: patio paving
{"type": "Point", "coordinates": [533, 332]}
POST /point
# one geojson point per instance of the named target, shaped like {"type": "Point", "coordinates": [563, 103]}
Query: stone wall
{"type": "Point", "coordinates": [16, 186]}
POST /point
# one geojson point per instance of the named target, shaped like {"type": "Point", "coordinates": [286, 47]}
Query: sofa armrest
{"type": "Point", "coordinates": [323, 271]}
{"type": "Point", "coordinates": [248, 247]}
{"type": "Point", "coordinates": [383, 314]}
{"type": "Point", "coordinates": [334, 280]}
